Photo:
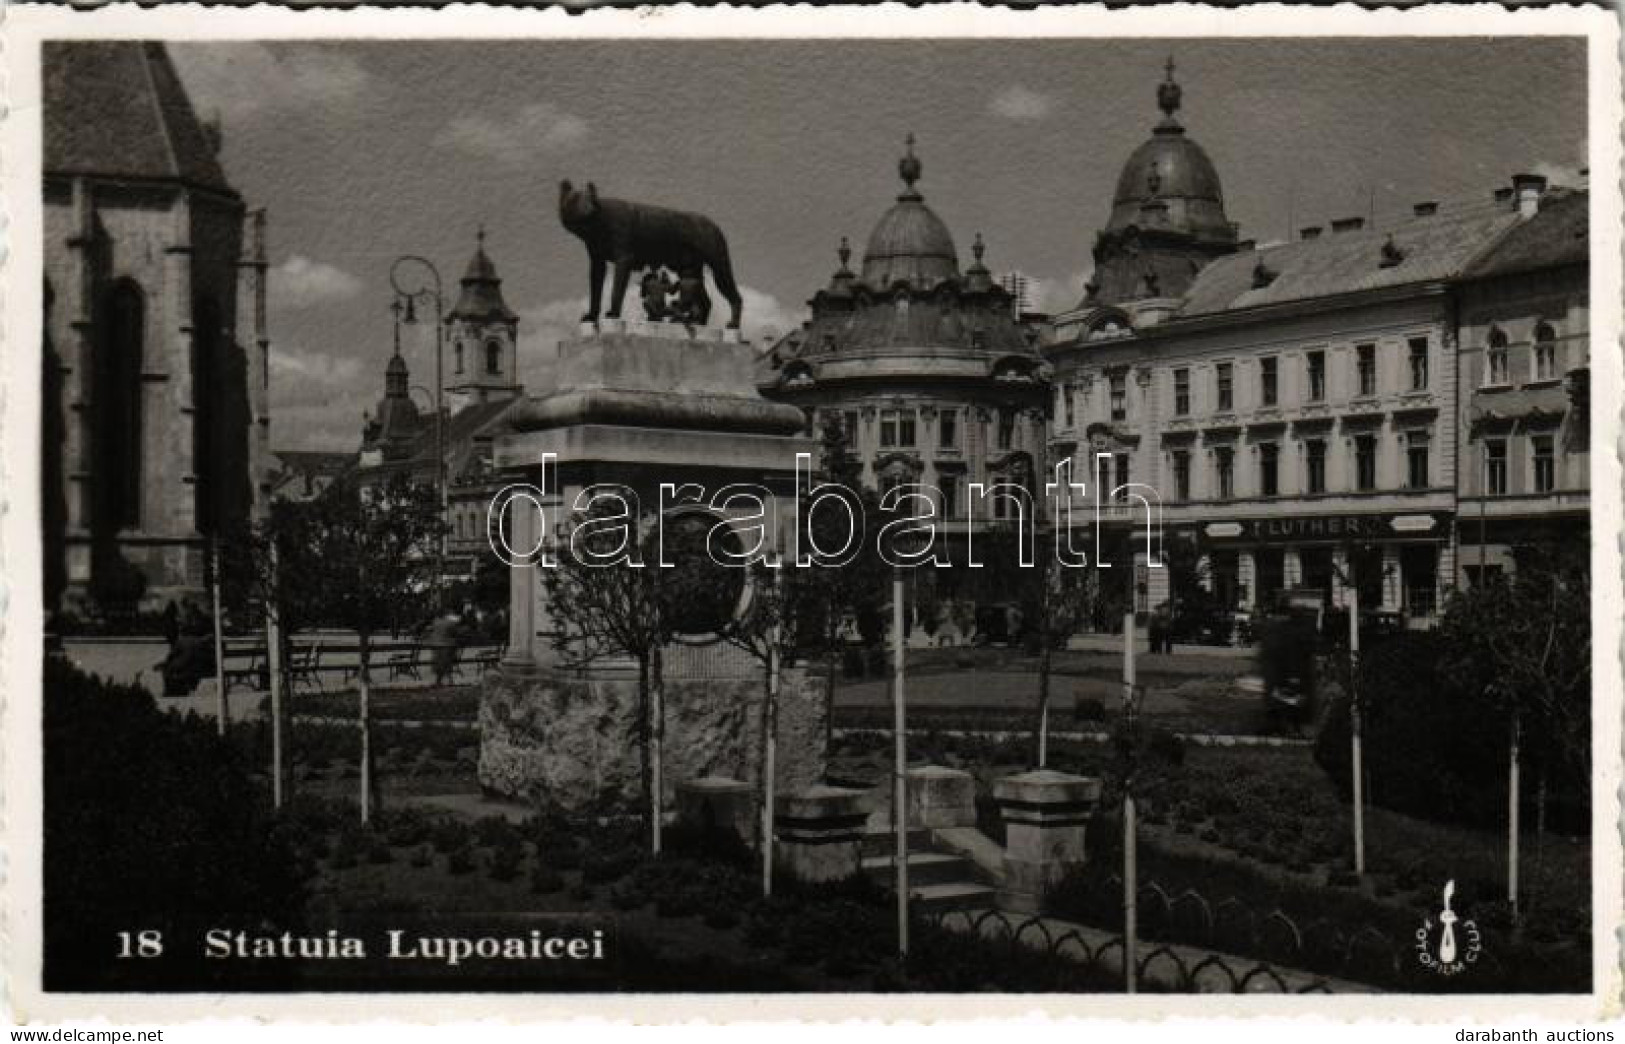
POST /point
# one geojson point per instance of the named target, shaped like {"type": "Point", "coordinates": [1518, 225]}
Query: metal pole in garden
{"type": "Point", "coordinates": [1130, 877]}
{"type": "Point", "coordinates": [273, 661]}
{"type": "Point", "coordinates": [1512, 818]}
{"type": "Point", "coordinates": [1357, 764]}
{"type": "Point", "coordinates": [770, 723]}
{"type": "Point", "coordinates": [219, 636]}
{"type": "Point", "coordinates": [900, 767]}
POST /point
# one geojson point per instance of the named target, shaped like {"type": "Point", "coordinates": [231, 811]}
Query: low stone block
{"type": "Point", "coordinates": [941, 797]}
{"type": "Point", "coordinates": [1045, 816]}
{"type": "Point", "coordinates": [718, 803]}
{"type": "Point", "coordinates": [820, 832]}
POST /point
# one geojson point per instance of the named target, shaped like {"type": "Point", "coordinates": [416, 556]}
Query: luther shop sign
{"type": "Point", "coordinates": [1308, 529]}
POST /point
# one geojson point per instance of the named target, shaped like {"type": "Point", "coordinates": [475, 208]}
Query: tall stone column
{"type": "Point", "coordinates": [522, 585]}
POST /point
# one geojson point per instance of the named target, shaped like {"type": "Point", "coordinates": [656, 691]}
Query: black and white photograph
{"type": "Point", "coordinates": [610, 505]}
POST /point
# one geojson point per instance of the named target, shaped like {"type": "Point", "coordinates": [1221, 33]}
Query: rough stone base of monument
{"type": "Point", "coordinates": [572, 740]}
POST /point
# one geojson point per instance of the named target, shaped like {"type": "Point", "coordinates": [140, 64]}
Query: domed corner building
{"type": "Point", "coordinates": [1167, 226]}
{"type": "Point", "coordinates": [927, 368]}
{"type": "Point", "coordinates": [1167, 222]}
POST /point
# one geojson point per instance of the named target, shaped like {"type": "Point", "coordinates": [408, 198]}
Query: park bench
{"type": "Point", "coordinates": [406, 663]}
{"type": "Point", "coordinates": [253, 673]}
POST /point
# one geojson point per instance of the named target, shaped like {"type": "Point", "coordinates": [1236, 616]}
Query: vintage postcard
{"type": "Point", "coordinates": [922, 512]}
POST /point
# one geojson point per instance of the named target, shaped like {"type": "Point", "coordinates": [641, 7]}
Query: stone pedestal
{"type": "Point", "coordinates": [1045, 813]}
{"type": "Point", "coordinates": [820, 832]}
{"type": "Point", "coordinates": [941, 797]}
{"type": "Point", "coordinates": [718, 803]}
{"type": "Point", "coordinates": [640, 407]}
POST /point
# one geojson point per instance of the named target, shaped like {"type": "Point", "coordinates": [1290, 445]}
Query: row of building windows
{"type": "Point", "coordinates": [1498, 356]}
{"type": "Point", "coordinates": [900, 428]}
{"type": "Point", "coordinates": [1542, 460]}
{"type": "Point", "coordinates": [1269, 378]}
{"type": "Point", "coordinates": [1542, 464]}
{"type": "Point", "coordinates": [1417, 378]}
{"type": "Point", "coordinates": [1363, 453]}
{"type": "Point", "coordinates": [493, 357]}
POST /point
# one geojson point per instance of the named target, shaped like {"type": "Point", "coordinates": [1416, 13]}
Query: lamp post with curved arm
{"type": "Point", "coordinates": [429, 289]}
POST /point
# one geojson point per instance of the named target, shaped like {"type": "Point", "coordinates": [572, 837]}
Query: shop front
{"type": "Point", "coordinates": [1400, 562]}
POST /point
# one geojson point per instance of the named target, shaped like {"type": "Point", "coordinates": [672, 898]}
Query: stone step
{"type": "Point", "coordinates": [883, 841]}
{"type": "Point", "coordinates": [952, 895]}
{"type": "Point", "coordinates": [924, 868]}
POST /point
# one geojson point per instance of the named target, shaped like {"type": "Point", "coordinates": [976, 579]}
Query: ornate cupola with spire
{"type": "Point", "coordinates": [924, 367]}
{"type": "Point", "coordinates": [389, 434]}
{"type": "Point", "coordinates": [1167, 218]}
{"type": "Point", "coordinates": [482, 335]}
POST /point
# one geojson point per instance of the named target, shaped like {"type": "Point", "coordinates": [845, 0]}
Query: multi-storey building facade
{"type": "Point", "coordinates": [1298, 413]}
{"type": "Point", "coordinates": [1524, 423]}
{"type": "Point", "coordinates": [931, 375]}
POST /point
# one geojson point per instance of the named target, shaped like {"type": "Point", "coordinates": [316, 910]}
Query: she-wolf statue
{"type": "Point", "coordinates": [636, 236]}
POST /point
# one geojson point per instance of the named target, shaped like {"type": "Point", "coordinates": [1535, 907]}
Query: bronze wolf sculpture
{"type": "Point", "coordinates": [636, 236]}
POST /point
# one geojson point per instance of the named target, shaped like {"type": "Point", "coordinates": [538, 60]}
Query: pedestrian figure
{"type": "Point", "coordinates": [443, 637]}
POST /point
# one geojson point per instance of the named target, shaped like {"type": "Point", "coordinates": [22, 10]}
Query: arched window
{"type": "Point", "coordinates": [457, 354]}
{"type": "Point", "coordinates": [1495, 358]}
{"type": "Point", "coordinates": [493, 356]}
{"type": "Point", "coordinates": [1545, 352]}
{"type": "Point", "coordinates": [116, 394]}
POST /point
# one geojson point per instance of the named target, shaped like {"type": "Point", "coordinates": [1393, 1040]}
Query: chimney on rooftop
{"type": "Point", "coordinates": [1426, 208]}
{"type": "Point", "coordinates": [1527, 189]}
{"type": "Point", "coordinates": [1310, 232]}
{"type": "Point", "coordinates": [1348, 224]}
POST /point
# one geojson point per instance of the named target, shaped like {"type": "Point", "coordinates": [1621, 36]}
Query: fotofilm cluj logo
{"type": "Point", "coordinates": [1448, 945]}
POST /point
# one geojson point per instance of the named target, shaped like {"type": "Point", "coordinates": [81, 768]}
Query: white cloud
{"type": "Point", "coordinates": [765, 319]}
{"type": "Point", "coordinates": [317, 398]}
{"type": "Point", "coordinates": [1020, 103]}
{"type": "Point", "coordinates": [517, 137]}
{"type": "Point", "coordinates": [241, 79]}
{"type": "Point", "coordinates": [300, 282]}
{"type": "Point", "coordinates": [1055, 295]}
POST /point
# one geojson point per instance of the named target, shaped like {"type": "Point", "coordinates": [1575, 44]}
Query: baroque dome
{"type": "Point", "coordinates": [909, 243]}
{"type": "Point", "coordinates": [1169, 182]}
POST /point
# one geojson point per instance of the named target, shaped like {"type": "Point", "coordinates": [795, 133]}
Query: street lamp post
{"type": "Point", "coordinates": [430, 289]}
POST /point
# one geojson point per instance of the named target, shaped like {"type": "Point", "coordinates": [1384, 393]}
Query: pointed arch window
{"type": "Point", "coordinates": [117, 393]}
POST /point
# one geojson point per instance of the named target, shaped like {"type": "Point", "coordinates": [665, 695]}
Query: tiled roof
{"type": "Point", "coordinates": [470, 423]}
{"type": "Point", "coordinates": [1430, 248]}
{"type": "Point", "coordinates": [117, 108]}
{"type": "Point", "coordinates": [316, 461]}
{"type": "Point", "coordinates": [1558, 234]}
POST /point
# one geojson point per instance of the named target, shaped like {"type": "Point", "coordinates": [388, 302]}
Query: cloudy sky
{"type": "Point", "coordinates": [362, 152]}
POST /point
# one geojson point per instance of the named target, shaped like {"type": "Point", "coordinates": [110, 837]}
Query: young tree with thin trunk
{"type": "Point", "coordinates": [265, 572]}
{"type": "Point", "coordinates": [1529, 637]}
{"type": "Point", "coordinates": [768, 633]}
{"type": "Point", "coordinates": [377, 547]}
